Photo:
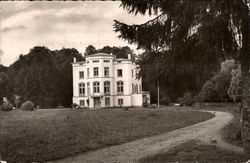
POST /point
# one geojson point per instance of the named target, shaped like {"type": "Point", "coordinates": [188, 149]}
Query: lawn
{"type": "Point", "coordinates": [194, 151]}
{"type": "Point", "coordinates": [49, 134]}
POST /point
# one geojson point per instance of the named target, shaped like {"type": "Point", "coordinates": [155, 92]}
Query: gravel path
{"type": "Point", "coordinates": [207, 132]}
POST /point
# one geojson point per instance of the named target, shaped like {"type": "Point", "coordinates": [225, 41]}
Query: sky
{"type": "Point", "coordinates": [68, 24]}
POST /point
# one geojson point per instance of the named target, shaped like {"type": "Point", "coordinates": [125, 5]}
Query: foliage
{"type": "Point", "coordinates": [2, 68]}
{"type": "Point", "coordinates": [43, 76]}
{"type": "Point", "coordinates": [119, 52]}
{"type": "Point", "coordinates": [208, 92]}
{"type": "Point", "coordinates": [235, 89]}
{"type": "Point", "coordinates": [215, 89]}
{"type": "Point", "coordinates": [6, 106]}
{"type": "Point", "coordinates": [28, 105]}
{"type": "Point", "coordinates": [219, 28]}
{"type": "Point", "coordinates": [186, 100]}
{"type": "Point", "coordinates": [174, 77]}
{"type": "Point", "coordinates": [90, 50]}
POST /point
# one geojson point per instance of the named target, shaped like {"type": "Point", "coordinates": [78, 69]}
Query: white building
{"type": "Point", "coordinates": [104, 81]}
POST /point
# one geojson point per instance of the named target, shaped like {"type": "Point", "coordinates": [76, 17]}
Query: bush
{"type": "Point", "coordinates": [6, 106]}
{"type": "Point", "coordinates": [28, 105]}
{"type": "Point", "coordinates": [60, 107]}
{"type": "Point", "coordinates": [165, 100]}
{"type": "Point", "coordinates": [186, 100]}
{"type": "Point", "coordinates": [74, 105]}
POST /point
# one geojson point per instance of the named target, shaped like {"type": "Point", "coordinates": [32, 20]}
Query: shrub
{"type": "Point", "coordinates": [28, 105]}
{"type": "Point", "coordinates": [186, 100]}
{"type": "Point", "coordinates": [165, 100]}
{"type": "Point", "coordinates": [6, 106]}
{"type": "Point", "coordinates": [74, 105]}
{"type": "Point", "coordinates": [60, 107]}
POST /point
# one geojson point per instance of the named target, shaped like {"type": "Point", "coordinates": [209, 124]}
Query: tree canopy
{"type": "Point", "coordinates": [42, 76]}
{"type": "Point", "coordinates": [188, 33]}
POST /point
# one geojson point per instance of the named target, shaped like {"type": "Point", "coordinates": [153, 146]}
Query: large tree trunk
{"type": "Point", "coordinates": [245, 66]}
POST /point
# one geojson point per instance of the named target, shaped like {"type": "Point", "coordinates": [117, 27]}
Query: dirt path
{"type": "Point", "coordinates": [207, 132]}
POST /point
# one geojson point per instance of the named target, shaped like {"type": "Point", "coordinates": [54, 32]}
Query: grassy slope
{"type": "Point", "coordinates": [52, 134]}
{"type": "Point", "coordinates": [193, 151]}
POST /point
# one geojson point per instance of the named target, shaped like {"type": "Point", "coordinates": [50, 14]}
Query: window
{"type": "Point", "coordinates": [106, 87]}
{"type": "Point", "coordinates": [120, 101]}
{"type": "Point", "coordinates": [107, 101]}
{"type": "Point", "coordinates": [95, 61]}
{"type": "Point", "coordinates": [88, 87]}
{"type": "Point", "coordinates": [132, 73]}
{"type": "Point", "coordinates": [136, 88]}
{"type": "Point", "coordinates": [95, 71]}
{"type": "Point", "coordinates": [81, 74]}
{"type": "Point", "coordinates": [106, 71]}
{"type": "Point", "coordinates": [81, 89]}
{"type": "Point", "coordinates": [88, 72]}
{"type": "Point", "coordinates": [96, 87]}
{"type": "Point", "coordinates": [133, 90]}
{"type": "Point", "coordinates": [119, 72]}
{"type": "Point", "coordinates": [120, 87]}
{"type": "Point", "coordinates": [140, 88]}
{"type": "Point", "coordinates": [106, 61]}
{"type": "Point", "coordinates": [82, 103]}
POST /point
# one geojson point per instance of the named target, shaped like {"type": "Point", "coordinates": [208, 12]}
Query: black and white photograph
{"type": "Point", "coordinates": [130, 81]}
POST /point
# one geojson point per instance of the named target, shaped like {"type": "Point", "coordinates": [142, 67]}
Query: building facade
{"type": "Point", "coordinates": [104, 81]}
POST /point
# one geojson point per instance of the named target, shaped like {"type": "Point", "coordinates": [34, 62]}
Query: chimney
{"type": "Point", "coordinates": [74, 59]}
{"type": "Point", "coordinates": [129, 56]}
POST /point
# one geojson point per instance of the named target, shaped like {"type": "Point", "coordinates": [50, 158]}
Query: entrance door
{"type": "Point", "coordinates": [97, 102]}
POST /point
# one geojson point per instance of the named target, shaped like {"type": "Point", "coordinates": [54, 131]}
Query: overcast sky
{"type": "Point", "coordinates": [56, 25]}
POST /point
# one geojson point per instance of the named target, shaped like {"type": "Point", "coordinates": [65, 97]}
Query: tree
{"type": "Point", "coordinates": [219, 28]}
{"type": "Point", "coordinates": [62, 60]}
{"type": "Point", "coordinates": [42, 76]}
{"type": "Point", "coordinates": [235, 90]}
{"type": "Point", "coordinates": [90, 50]}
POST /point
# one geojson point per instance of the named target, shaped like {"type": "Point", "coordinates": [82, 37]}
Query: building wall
{"type": "Point", "coordinates": [136, 99]}
{"type": "Point", "coordinates": [129, 96]}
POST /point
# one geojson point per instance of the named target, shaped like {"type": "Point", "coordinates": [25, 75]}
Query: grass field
{"type": "Point", "coordinates": [193, 151]}
{"type": "Point", "coordinates": [44, 135]}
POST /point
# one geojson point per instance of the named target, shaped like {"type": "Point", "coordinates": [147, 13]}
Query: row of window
{"type": "Point", "coordinates": [96, 72]}
{"type": "Point", "coordinates": [96, 87]}
{"type": "Point", "coordinates": [107, 102]}
{"type": "Point", "coordinates": [97, 61]}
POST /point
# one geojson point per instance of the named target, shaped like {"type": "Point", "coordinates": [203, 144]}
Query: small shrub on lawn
{"type": "Point", "coordinates": [28, 105]}
{"type": "Point", "coordinates": [74, 105]}
{"type": "Point", "coordinates": [6, 106]}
